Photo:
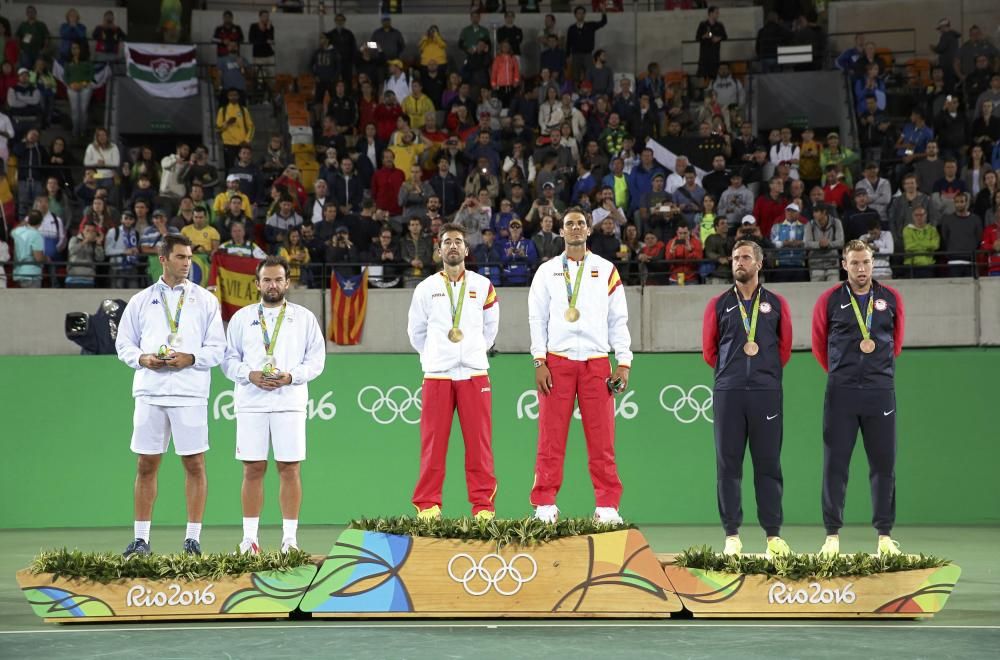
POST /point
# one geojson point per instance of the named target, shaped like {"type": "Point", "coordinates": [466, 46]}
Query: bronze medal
{"type": "Point", "coordinates": [572, 315]}
{"type": "Point", "coordinates": [867, 345]}
{"type": "Point", "coordinates": [751, 348]}
{"type": "Point", "coordinates": [455, 335]}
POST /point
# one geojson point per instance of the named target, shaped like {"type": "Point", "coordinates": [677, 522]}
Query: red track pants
{"type": "Point", "coordinates": [474, 400]}
{"type": "Point", "coordinates": [586, 380]}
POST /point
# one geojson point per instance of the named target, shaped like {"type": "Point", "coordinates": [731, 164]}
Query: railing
{"type": "Point", "coordinates": [398, 274]}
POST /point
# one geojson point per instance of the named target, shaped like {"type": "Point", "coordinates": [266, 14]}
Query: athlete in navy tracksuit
{"type": "Point", "coordinates": [860, 390]}
{"type": "Point", "coordinates": [747, 394]}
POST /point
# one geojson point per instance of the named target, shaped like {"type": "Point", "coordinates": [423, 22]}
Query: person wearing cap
{"type": "Point", "coordinates": [204, 237]}
{"type": "Point", "coordinates": [834, 153]}
{"type": "Point", "coordinates": [748, 351]}
{"type": "Point", "coordinates": [736, 200]}
{"type": "Point", "coordinates": [824, 239]}
{"type": "Point", "coordinates": [153, 235]}
{"type": "Point", "coordinates": [788, 237]}
{"type": "Point", "coordinates": [947, 50]}
{"type": "Point", "coordinates": [24, 99]}
{"type": "Point", "coordinates": [518, 255]}
{"type": "Point", "coordinates": [878, 189]}
{"type": "Point", "coordinates": [221, 202]}
{"type": "Point", "coordinates": [397, 82]}
{"type": "Point", "coordinates": [576, 315]}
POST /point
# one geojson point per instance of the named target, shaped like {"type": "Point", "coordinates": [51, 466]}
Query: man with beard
{"type": "Point", "coordinates": [857, 334]}
{"type": "Point", "coordinates": [748, 358]}
{"type": "Point", "coordinates": [453, 320]}
{"type": "Point", "coordinates": [577, 311]}
{"type": "Point", "coordinates": [271, 379]}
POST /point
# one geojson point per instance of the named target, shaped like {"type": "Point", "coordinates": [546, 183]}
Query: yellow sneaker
{"type": "Point", "coordinates": [734, 546]}
{"type": "Point", "coordinates": [831, 547]}
{"type": "Point", "coordinates": [432, 513]}
{"type": "Point", "coordinates": [887, 547]}
{"type": "Point", "coordinates": [777, 547]}
{"type": "Point", "coordinates": [485, 515]}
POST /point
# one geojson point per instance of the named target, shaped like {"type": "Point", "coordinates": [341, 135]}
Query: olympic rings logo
{"type": "Point", "coordinates": [688, 406]}
{"type": "Point", "coordinates": [396, 402]}
{"type": "Point", "coordinates": [478, 571]}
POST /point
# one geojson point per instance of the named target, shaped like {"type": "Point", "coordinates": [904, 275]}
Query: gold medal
{"type": "Point", "coordinates": [867, 345]}
{"type": "Point", "coordinates": [174, 339]}
{"type": "Point", "coordinates": [751, 348]}
{"type": "Point", "coordinates": [455, 335]}
{"type": "Point", "coordinates": [572, 315]}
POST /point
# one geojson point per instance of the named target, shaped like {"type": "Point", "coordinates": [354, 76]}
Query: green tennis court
{"type": "Point", "coordinates": [969, 627]}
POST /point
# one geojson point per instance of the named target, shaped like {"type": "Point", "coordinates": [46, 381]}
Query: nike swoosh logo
{"type": "Point", "coordinates": [770, 417]}
{"type": "Point", "coordinates": [886, 414]}
{"type": "Point", "coordinates": [729, 309]}
{"type": "Point", "coordinates": [845, 306]}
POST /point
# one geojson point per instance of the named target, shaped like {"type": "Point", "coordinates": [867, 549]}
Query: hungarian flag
{"type": "Point", "coordinates": [234, 279]}
{"type": "Point", "coordinates": [348, 303]}
{"type": "Point", "coordinates": [163, 70]}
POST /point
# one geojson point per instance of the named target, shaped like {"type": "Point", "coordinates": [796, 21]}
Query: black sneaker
{"type": "Point", "coordinates": [192, 547]}
{"type": "Point", "coordinates": [137, 547]}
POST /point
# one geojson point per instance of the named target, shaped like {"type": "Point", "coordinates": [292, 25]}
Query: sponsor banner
{"type": "Point", "coordinates": [364, 443]}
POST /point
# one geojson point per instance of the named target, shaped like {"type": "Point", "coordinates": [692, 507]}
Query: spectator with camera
{"type": "Point", "coordinates": [86, 250]}
{"type": "Point", "coordinates": [342, 254]}
{"type": "Point", "coordinates": [518, 256]}
{"type": "Point", "coordinates": [682, 253]}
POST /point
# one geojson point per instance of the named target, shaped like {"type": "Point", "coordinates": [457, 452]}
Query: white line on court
{"type": "Point", "coordinates": [89, 628]}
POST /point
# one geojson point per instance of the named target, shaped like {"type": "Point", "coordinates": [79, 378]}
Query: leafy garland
{"type": "Point", "coordinates": [805, 566]}
{"type": "Point", "coordinates": [524, 532]}
{"type": "Point", "coordinates": [107, 567]}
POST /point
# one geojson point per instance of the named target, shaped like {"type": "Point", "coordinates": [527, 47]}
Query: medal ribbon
{"type": "Point", "coordinates": [173, 323]}
{"type": "Point", "coordinates": [456, 310]}
{"type": "Point", "coordinates": [572, 293]}
{"type": "Point", "coordinates": [270, 342]}
{"type": "Point", "coordinates": [749, 325]}
{"type": "Point", "coordinates": [866, 323]}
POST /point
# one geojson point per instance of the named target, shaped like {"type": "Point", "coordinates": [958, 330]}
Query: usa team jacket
{"type": "Point", "coordinates": [603, 323]}
{"type": "Point", "coordinates": [723, 338]}
{"type": "Point", "coordinates": [836, 337]}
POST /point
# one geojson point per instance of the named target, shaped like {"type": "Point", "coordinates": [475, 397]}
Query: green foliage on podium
{"type": "Point", "coordinates": [805, 566]}
{"type": "Point", "coordinates": [106, 567]}
{"type": "Point", "coordinates": [523, 531]}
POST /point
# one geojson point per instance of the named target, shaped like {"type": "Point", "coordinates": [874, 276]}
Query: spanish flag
{"type": "Point", "coordinates": [234, 278]}
{"type": "Point", "coordinates": [348, 304]}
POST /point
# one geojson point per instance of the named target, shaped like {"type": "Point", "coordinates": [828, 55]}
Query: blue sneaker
{"type": "Point", "coordinates": [137, 547]}
{"type": "Point", "coordinates": [192, 547]}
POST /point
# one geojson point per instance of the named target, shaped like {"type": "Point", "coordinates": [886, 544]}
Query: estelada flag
{"type": "Point", "coordinates": [348, 304]}
{"type": "Point", "coordinates": [234, 279]}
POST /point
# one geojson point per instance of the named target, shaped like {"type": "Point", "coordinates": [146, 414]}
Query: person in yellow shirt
{"type": "Point", "coordinates": [433, 48]}
{"type": "Point", "coordinates": [408, 150]}
{"type": "Point", "coordinates": [235, 124]}
{"type": "Point", "coordinates": [221, 202]}
{"type": "Point", "coordinates": [204, 237]}
{"type": "Point", "coordinates": [417, 105]}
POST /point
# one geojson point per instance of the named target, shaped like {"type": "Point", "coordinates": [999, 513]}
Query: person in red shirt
{"type": "Point", "coordinates": [835, 191]}
{"type": "Point", "coordinates": [991, 240]}
{"type": "Point", "coordinates": [367, 104]}
{"type": "Point", "coordinates": [682, 252]}
{"type": "Point", "coordinates": [386, 183]}
{"type": "Point", "coordinates": [770, 208]}
{"type": "Point", "coordinates": [505, 74]}
{"type": "Point", "coordinates": [386, 114]}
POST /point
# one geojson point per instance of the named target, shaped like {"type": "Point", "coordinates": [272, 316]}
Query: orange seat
{"type": "Point", "coordinates": [885, 58]}
{"type": "Point", "coordinates": [675, 77]}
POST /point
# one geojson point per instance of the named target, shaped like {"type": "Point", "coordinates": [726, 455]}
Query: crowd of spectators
{"type": "Point", "coordinates": [405, 146]}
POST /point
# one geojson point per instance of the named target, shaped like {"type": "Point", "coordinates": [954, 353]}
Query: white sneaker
{"type": "Point", "coordinates": [288, 544]}
{"type": "Point", "coordinates": [831, 547]}
{"type": "Point", "coordinates": [607, 515]}
{"type": "Point", "coordinates": [547, 513]}
{"type": "Point", "coordinates": [734, 546]}
{"type": "Point", "coordinates": [249, 547]}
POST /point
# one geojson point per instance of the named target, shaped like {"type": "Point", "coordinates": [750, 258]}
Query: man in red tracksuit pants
{"type": "Point", "coordinates": [453, 321]}
{"type": "Point", "coordinates": [577, 314]}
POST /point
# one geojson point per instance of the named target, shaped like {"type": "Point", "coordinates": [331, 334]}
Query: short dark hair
{"type": "Point", "coordinates": [272, 260]}
{"type": "Point", "coordinates": [34, 217]}
{"type": "Point", "coordinates": [451, 228]}
{"type": "Point", "coordinates": [171, 240]}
